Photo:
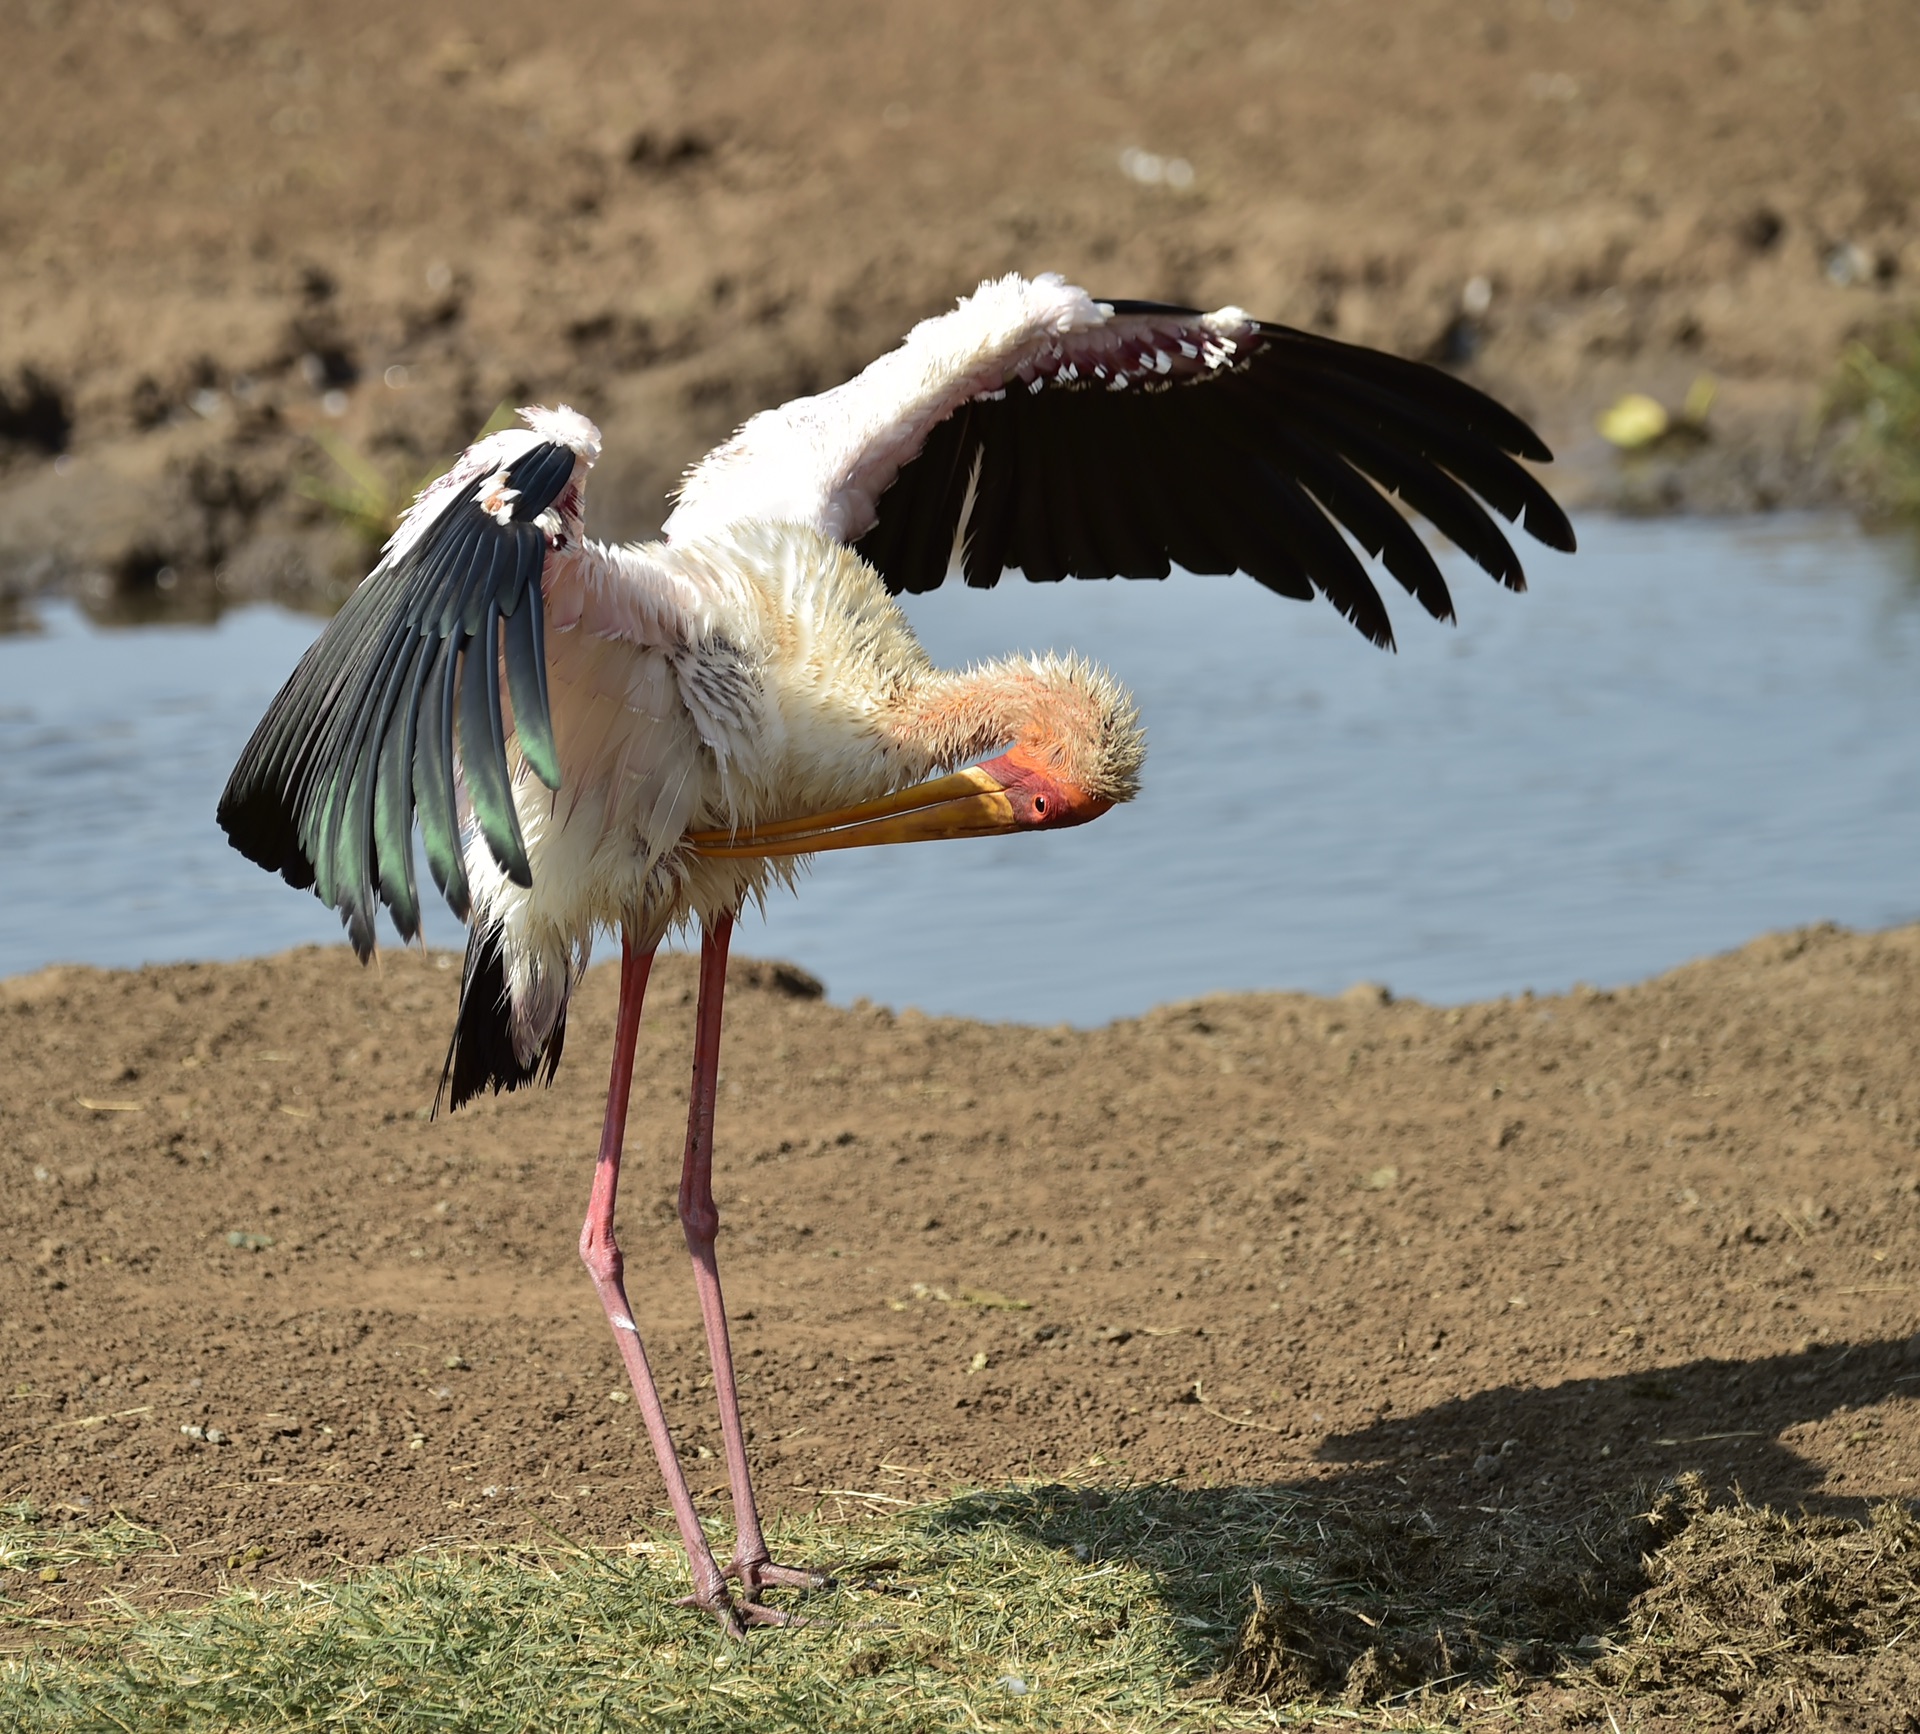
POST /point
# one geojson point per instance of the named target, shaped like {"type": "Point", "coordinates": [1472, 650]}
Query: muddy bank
{"type": "Point", "coordinates": [269, 266]}
{"type": "Point", "coordinates": [1537, 1253]}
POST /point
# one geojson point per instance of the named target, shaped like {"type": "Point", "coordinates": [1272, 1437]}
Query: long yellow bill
{"type": "Point", "coordinates": [969, 803]}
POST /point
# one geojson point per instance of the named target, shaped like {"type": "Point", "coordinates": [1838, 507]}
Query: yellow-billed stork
{"type": "Point", "coordinates": [650, 735]}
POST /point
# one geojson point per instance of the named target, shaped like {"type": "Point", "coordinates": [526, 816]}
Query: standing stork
{"type": "Point", "coordinates": [642, 736]}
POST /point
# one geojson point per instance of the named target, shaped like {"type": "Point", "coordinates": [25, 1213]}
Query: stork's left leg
{"type": "Point", "coordinates": [700, 1220]}
{"type": "Point", "coordinates": [600, 1251]}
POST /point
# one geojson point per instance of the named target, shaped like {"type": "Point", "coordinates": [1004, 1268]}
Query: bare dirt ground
{"type": "Point", "coordinates": [231, 229]}
{"type": "Point", "coordinates": [1538, 1254]}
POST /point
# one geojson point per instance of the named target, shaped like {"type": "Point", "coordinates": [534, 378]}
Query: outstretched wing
{"type": "Point", "coordinates": [397, 707]}
{"type": "Point", "coordinates": [1036, 428]}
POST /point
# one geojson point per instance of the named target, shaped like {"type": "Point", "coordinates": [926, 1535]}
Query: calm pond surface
{"type": "Point", "coordinates": [1689, 734]}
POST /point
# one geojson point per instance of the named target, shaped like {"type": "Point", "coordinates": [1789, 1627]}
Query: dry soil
{"type": "Point", "coordinates": [1534, 1253]}
{"type": "Point", "coordinates": [244, 240]}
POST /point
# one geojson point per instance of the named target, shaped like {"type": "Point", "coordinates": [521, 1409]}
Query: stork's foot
{"type": "Point", "coordinates": [758, 1574]}
{"type": "Point", "coordinates": [736, 1616]}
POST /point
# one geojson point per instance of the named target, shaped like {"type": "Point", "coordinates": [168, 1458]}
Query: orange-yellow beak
{"type": "Point", "coordinates": [1004, 795]}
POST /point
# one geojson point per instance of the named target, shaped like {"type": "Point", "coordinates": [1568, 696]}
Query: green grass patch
{"type": "Point", "coordinates": [29, 1544]}
{"type": "Point", "coordinates": [1032, 1608]}
{"type": "Point", "coordinates": [368, 497]}
{"type": "Point", "coordinates": [1876, 397]}
{"type": "Point", "coordinates": [1042, 1607]}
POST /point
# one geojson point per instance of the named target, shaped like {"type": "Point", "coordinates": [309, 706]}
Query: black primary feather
{"type": "Point", "coordinates": [434, 795]}
{"type": "Point", "coordinates": [926, 537]}
{"type": "Point", "coordinates": [1257, 467]}
{"type": "Point", "coordinates": [1029, 546]}
{"type": "Point", "coordinates": [985, 556]}
{"type": "Point", "coordinates": [400, 693]}
{"type": "Point", "coordinates": [1366, 515]}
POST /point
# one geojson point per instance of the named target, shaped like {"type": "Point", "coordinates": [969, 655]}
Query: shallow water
{"type": "Point", "coordinates": [1691, 733]}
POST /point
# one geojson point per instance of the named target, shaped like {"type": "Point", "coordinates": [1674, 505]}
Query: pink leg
{"type": "Point", "coordinates": [700, 1219]}
{"type": "Point", "coordinates": [601, 1254]}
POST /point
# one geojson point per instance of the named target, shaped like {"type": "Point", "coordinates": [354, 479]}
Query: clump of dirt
{"type": "Point", "coordinates": [1776, 1619]}
{"type": "Point", "coordinates": [1399, 1602]}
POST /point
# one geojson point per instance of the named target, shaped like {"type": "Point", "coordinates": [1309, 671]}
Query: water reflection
{"type": "Point", "coordinates": [145, 595]}
{"type": "Point", "coordinates": [1690, 734]}
{"type": "Point", "coordinates": [17, 616]}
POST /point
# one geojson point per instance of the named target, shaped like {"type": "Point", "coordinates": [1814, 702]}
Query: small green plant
{"type": "Point", "coordinates": [368, 498]}
{"type": "Point", "coordinates": [1877, 396]}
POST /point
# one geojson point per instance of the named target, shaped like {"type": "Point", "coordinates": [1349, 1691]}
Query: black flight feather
{"type": "Point", "coordinates": [926, 530]}
{"type": "Point", "coordinates": [398, 698]}
{"type": "Point", "coordinates": [433, 790]}
{"type": "Point", "coordinates": [1324, 552]}
{"type": "Point", "coordinates": [483, 751]}
{"type": "Point", "coordinates": [392, 803]}
{"type": "Point", "coordinates": [1067, 508]}
{"type": "Point", "coordinates": [1426, 489]}
{"type": "Point", "coordinates": [986, 550]}
{"type": "Point", "coordinates": [1130, 500]}
{"type": "Point", "coordinates": [1029, 546]}
{"type": "Point", "coordinates": [1367, 515]}
{"type": "Point", "coordinates": [524, 643]}
{"type": "Point", "coordinates": [1455, 401]}
{"type": "Point", "coordinates": [1483, 466]}
{"type": "Point", "coordinates": [481, 1055]}
{"type": "Point", "coordinates": [1258, 467]}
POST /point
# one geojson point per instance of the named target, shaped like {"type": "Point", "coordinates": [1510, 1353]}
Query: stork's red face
{"type": "Point", "coordinates": [1014, 792]}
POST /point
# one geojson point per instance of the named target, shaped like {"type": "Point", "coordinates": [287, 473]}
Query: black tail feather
{"type": "Point", "coordinates": [481, 1054]}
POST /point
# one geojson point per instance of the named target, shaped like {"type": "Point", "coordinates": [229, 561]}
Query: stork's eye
{"type": "Point", "coordinates": [1039, 806]}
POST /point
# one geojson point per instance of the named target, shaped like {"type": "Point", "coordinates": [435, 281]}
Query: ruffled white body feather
{"type": "Point", "coordinates": [753, 675]}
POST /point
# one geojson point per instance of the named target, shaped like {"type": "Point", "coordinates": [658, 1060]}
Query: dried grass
{"type": "Point", "coordinates": [30, 1543]}
{"type": "Point", "coordinates": [1398, 1605]}
{"type": "Point", "coordinates": [1061, 1606]}
{"type": "Point", "coordinates": [1779, 1619]}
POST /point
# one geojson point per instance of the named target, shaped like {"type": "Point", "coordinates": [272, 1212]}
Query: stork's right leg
{"type": "Point", "coordinates": [601, 1254]}
{"type": "Point", "coordinates": [700, 1218]}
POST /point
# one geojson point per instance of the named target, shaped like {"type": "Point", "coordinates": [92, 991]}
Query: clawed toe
{"type": "Point", "coordinates": [736, 1616]}
{"type": "Point", "coordinates": [759, 1614]}
{"type": "Point", "coordinates": [756, 1575]}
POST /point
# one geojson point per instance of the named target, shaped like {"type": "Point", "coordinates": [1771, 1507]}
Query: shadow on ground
{"type": "Point", "coordinates": [1564, 1444]}
{"type": "Point", "coordinates": [1651, 1532]}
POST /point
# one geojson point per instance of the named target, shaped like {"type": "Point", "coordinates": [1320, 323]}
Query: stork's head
{"type": "Point", "coordinates": [1073, 727]}
{"type": "Point", "coordinates": [1077, 747]}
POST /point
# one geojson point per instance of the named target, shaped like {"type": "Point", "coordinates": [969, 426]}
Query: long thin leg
{"type": "Point", "coordinates": [601, 1254]}
{"type": "Point", "coordinates": [700, 1220]}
